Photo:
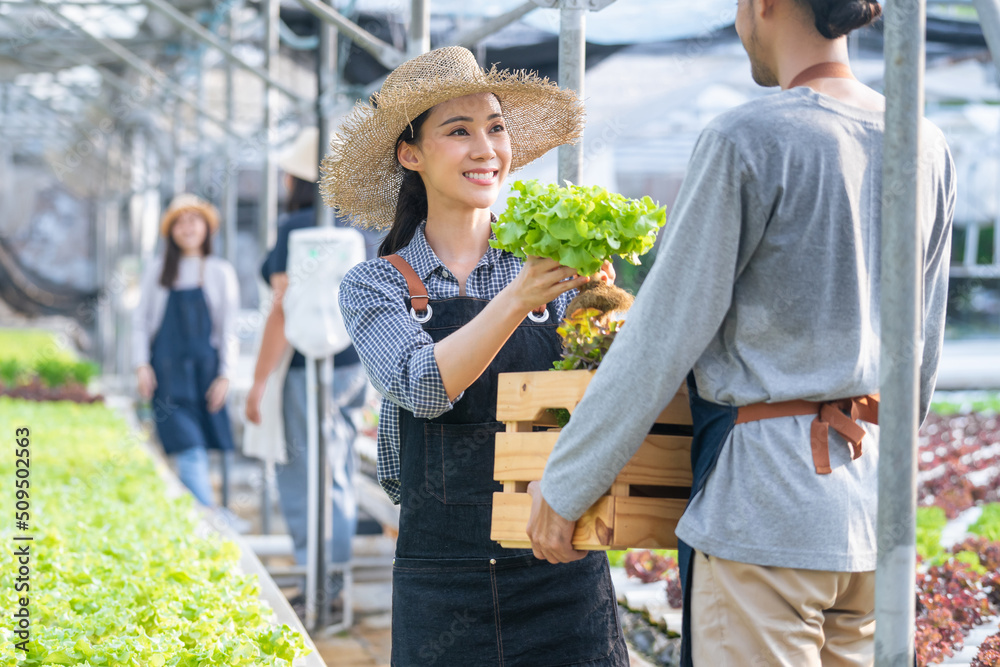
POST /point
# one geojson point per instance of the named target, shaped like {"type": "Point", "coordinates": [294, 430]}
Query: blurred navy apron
{"type": "Point", "coordinates": [459, 599]}
{"type": "Point", "coordinates": [185, 365]}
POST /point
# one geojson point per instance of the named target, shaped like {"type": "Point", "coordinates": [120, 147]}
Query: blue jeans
{"type": "Point", "coordinates": [348, 393]}
{"type": "Point", "coordinates": [192, 469]}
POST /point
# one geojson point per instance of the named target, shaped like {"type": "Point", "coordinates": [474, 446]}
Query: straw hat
{"type": "Point", "coordinates": [301, 159]}
{"type": "Point", "coordinates": [189, 202]}
{"type": "Point", "coordinates": [361, 176]}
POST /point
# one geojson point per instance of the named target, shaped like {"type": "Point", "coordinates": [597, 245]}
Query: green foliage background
{"type": "Point", "coordinates": [119, 575]}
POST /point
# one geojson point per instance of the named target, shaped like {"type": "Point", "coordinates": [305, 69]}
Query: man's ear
{"type": "Point", "coordinates": [409, 156]}
{"type": "Point", "coordinates": [766, 8]}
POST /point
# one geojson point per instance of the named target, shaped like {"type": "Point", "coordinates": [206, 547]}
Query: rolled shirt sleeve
{"type": "Point", "coordinates": [397, 353]}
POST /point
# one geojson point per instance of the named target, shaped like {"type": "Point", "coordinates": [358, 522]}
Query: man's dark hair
{"type": "Point", "coordinates": [836, 18]}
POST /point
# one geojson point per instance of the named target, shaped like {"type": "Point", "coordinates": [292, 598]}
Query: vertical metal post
{"type": "Point", "coordinates": [116, 177]}
{"type": "Point", "coordinates": [989, 20]}
{"type": "Point", "coordinates": [204, 153]}
{"type": "Point", "coordinates": [325, 74]}
{"type": "Point", "coordinates": [326, 91]}
{"type": "Point", "coordinates": [269, 187]}
{"type": "Point", "coordinates": [902, 271]}
{"type": "Point", "coordinates": [230, 192]}
{"type": "Point", "coordinates": [230, 183]}
{"type": "Point", "coordinates": [420, 28]}
{"type": "Point", "coordinates": [572, 65]}
{"type": "Point", "coordinates": [314, 564]}
{"type": "Point", "coordinates": [179, 176]}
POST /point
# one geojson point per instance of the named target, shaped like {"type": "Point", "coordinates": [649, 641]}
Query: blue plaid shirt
{"type": "Point", "coordinates": [395, 350]}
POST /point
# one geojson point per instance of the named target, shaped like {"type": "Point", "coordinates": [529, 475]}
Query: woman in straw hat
{"type": "Point", "coordinates": [435, 319]}
{"type": "Point", "coordinates": [184, 341]}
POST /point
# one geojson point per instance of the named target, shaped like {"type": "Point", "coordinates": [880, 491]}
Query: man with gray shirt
{"type": "Point", "coordinates": [766, 284]}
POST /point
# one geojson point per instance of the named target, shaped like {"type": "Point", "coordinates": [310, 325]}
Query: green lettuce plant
{"type": "Point", "coordinates": [120, 574]}
{"type": "Point", "coordinates": [580, 227]}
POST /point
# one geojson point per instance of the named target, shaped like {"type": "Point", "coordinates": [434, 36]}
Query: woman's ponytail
{"type": "Point", "coordinates": [411, 206]}
{"type": "Point", "coordinates": [411, 210]}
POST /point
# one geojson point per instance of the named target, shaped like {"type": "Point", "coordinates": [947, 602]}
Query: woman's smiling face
{"type": "Point", "coordinates": [463, 154]}
{"type": "Point", "coordinates": [189, 232]}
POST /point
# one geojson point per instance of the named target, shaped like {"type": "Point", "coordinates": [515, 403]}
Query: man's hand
{"type": "Point", "coordinates": [551, 535]}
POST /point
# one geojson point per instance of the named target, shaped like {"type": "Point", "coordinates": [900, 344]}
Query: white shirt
{"type": "Point", "coordinates": [222, 295]}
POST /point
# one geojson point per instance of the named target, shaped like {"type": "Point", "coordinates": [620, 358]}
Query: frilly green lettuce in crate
{"type": "Point", "coordinates": [579, 226]}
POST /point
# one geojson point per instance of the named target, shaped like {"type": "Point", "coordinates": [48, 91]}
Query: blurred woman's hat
{"type": "Point", "coordinates": [301, 159]}
{"type": "Point", "coordinates": [361, 176]}
{"type": "Point", "coordinates": [189, 202]}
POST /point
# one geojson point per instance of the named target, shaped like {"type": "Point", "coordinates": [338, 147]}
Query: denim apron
{"type": "Point", "coordinates": [713, 423]}
{"type": "Point", "coordinates": [458, 598]}
{"type": "Point", "coordinates": [185, 364]}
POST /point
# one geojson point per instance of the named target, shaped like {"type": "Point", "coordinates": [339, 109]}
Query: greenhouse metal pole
{"type": "Point", "coordinates": [203, 34]}
{"type": "Point", "coordinates": [230, 182]}
{"type": "Point", "coordinates": [572, 67]}
{"type": "Point", "coordinates": [386, 54]}
{"type": "Point", "coordinates": [989, 20]}
{"type": "Point", "coordinates": [326, 92]}
{"type": "Point", "coordinates": [326, 68]}
{"type": "Point", "coordinates": [139, 64]}
{"type": "Point", "coordinates": [420, 28]}
{"type": "Point", "coordinates": [475, 35]}
{"type": "Point", "coordinates": [902, 270]}
{"type": "Point", "coordinates": [269, 186]}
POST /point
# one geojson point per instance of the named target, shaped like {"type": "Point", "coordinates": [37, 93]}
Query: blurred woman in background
{"type": "Point", "coordinates": [184, 343]}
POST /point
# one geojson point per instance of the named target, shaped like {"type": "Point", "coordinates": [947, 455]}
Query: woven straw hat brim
{"type": "Point", "coordinates": [361, 176]}
{"type": "Point", "coordinates": [206, 210]}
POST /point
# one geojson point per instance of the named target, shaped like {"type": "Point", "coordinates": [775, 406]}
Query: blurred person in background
{"type": "Point", "coordinates": [301, 166]}
{"type": "Point", "coordinates": [184, 343]}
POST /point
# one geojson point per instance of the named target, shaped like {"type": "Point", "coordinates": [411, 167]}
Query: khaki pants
{"type": "Point", "coordinates": [752, 616]}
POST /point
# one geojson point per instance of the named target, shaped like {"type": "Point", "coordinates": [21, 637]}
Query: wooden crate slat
{"type": "Point", "coordinates": [618, 520]}
{"type": "Point", "coordinates": [511, 512]}
{"type": "Point", "coordinates": [646, 523]}
{"type": "Point", "coordinates": [522, 456]}
{"type": "Point", "coordinates": [528, 396]}
{"type": "Point", "coordinates": [662, 460]}
{"type": "Point", "coordinates": [524, 396]}
{"type": "Point", "coordinates": [678, 410]}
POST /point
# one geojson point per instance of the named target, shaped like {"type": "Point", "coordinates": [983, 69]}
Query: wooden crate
{"type": "Point", "coordinates": [642, 507]}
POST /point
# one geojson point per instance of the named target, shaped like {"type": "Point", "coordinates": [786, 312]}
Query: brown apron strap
{"type": "Point", "coordinates": [418, 292]}
{"type": "Point", "coordinates": [829, 414]}
{"type": "Point", "coordinates": [829, 70]}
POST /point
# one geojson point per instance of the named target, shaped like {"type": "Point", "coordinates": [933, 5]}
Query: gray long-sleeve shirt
{"type": "Point", "coordinates": [766, 283]}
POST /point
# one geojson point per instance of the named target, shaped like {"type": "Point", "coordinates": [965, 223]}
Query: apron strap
{"type": "Point", "coordinates": [418, 292]}
{"type": "Point", "coordinates": [829, 70]}
{"type": "Point", "coordinates": [841, 415]}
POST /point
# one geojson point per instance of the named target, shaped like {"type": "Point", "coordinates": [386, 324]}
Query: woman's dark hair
{"type": "Point", "coordinates": [411, 206]}
{"type": "Point", "coordinates": [836, 18]}
{"type": "Point", "coordinates": [303, 195]}
{"type": "Point", "coordinates": [172, 257]}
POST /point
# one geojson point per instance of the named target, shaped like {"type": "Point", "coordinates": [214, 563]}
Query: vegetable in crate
{"type": "Point", "coordinates": [580, 227]}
